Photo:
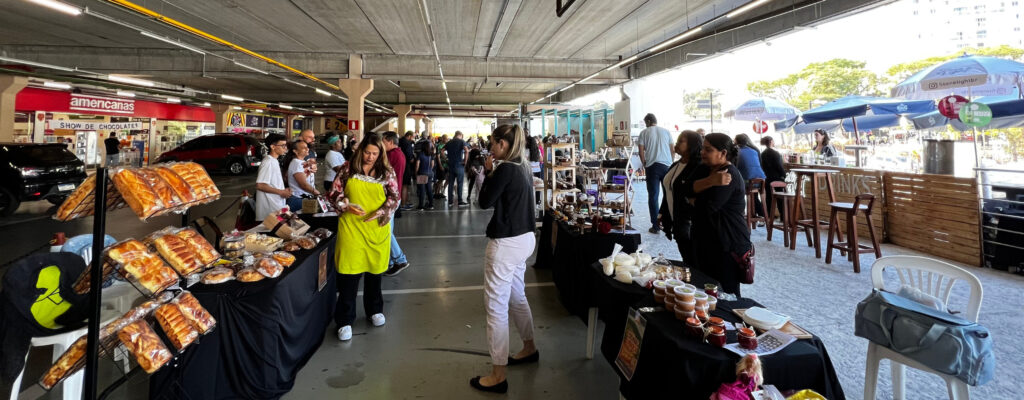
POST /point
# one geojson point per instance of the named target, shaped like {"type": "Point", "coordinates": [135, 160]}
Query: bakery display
{"type": "Point", "coordinates": [249, 275]}
{"type": "Point", "coordinates": [269, 267]}
{"type": "Point", "coordinates": [202, 248]}
{"type": "Point", "coordinates": [68, 363]}
{"type": "Point", "coordinates": [163, 191]}
{"type": "Point", "coordinates": [176, 327]}
{"type": "Point", "coordinates": [142, 341]}
{"type": "Point", "coordinates": [144, 267]}
{"type": "Point", "coordinates": [137, 192]}
{"type": "Point", "coordinates": [198, 180]}
{"type": "Point", "coordinates": [284, 258]}
{"type": "Point", "coordinates": [79, 203]}
{"type": "Point", "coordinates": [195, 313]}
{"type": "Point", "coordinates": [256, 242]}
{"type": "Point", "coordinates": [176, 183]}
{"type": "Point", "coordinates": [218, 275]}
{"type": "Point", "coordinates": [178, 253]}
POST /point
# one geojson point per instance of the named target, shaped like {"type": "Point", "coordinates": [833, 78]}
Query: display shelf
{"type": "Point", "coordinates": [552, 172]}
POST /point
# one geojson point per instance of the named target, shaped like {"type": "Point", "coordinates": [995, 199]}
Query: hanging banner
{"type": "Point", "coordinates": [253, 121]}
{"type": "Point", "coordinates": [236, 119]}
{"type": "Point", "coordinates": [270, 122]}
{"type": "Point", "coordinates": [93, 126]}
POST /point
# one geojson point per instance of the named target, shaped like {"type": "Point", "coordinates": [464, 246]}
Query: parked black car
{"type": "Point", "coordinates": [37, 171]}
{"type": "Point", "coordinates": [230, 152]}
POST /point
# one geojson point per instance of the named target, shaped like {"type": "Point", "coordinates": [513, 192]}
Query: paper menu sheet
{"type": "Point", "coordinates": [768, 343]}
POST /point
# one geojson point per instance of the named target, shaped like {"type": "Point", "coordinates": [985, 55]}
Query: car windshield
{"type": "Point", "coordinates": [32, 155]}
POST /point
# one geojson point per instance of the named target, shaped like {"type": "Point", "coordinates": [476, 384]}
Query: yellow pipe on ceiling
{"type": "Point", "coordinates": [195, 31]}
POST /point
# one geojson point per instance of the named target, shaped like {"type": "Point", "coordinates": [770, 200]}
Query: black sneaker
{"type": "Point", "coordinates": [396, 269]}
{"type": "Point", "coordinates": [463, 204]}
{"type": "Point", "coordinates": [654, 229]}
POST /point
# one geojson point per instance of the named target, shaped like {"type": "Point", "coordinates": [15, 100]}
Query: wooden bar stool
{"type": "Point", "coordinates": [853, 248]}
{"type": "Point", "coordinates": [814, 223]}
{"type": "Point", "coordinates": [779, 194]}
{"type": "Point", "coordinates": [755, 187]}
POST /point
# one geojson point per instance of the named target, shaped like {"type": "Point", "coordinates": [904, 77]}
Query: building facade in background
{"type": "Point", "coordinates": [973, 23]}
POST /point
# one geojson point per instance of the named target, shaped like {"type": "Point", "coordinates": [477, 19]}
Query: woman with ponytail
{"type": "Point", "coordinates": [508, 187]}
{"type": "Point", "coordinates": [719, 229]}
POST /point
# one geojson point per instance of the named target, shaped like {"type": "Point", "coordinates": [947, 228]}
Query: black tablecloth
{"type": "Point", "coordinates": [670, 359]}
{"type": "Point", "coordinates": [571, 255]}
{"type": "Point", "coordinates": [266, 332]}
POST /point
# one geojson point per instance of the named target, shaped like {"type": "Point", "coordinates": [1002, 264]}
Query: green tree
{"type": "Point", "coordinates": [690, 104]}
{"type": "Point", "coordinates": [902, 71]}
{"type": "Point", "coordinates": [825, 81]}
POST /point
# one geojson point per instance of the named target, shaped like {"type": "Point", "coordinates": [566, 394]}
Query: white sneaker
{"type": "Point", "coordinates": [378, 320]}
{"type": "Point", "coordinates": [345, 333]}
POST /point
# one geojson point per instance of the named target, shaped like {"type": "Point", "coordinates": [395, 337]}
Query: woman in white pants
{"type": "Point", "coordinates": [508, 188]}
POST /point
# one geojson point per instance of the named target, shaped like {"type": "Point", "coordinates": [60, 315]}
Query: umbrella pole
{"type": "Point", "coordinates": [856, 135]}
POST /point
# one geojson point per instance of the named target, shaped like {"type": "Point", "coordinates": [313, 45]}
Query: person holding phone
{"type": "Point", "coordinates": [719, 229]}
{"type": "Point", "coordinates": [365, 192]}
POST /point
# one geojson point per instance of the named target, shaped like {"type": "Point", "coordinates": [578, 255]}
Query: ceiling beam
{"type": "Point", "coordinates": [508, 14]}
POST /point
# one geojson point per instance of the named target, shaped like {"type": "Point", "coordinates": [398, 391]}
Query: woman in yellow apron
{"type": "Point", "coordinates": [366, 193]}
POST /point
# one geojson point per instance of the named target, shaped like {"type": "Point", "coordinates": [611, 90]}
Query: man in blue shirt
{"type": "Point", "coordinates": [655, 151]}
{"type": "Point", "coordinates": [457, 152]}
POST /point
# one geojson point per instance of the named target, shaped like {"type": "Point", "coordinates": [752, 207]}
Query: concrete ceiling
{"type": "Point", "coordinates": [491, 51]}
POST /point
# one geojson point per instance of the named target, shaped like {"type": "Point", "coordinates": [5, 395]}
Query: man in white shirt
{"type": "Point", "coordinates": [270, 190]}
{"type": "Point", "coordinates": [655, 145]}
{"type": "Point", "coordinates": [334, 161]}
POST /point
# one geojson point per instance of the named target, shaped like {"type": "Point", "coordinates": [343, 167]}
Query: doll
{"type": "Point", "coordinates": [748, 379]}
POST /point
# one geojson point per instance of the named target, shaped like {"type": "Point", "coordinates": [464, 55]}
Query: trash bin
{"type": "Point", "coordinates": [938, 156]}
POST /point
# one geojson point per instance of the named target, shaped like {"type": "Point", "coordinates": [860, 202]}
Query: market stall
{"type": "Point", "coordinates": [669, 360]}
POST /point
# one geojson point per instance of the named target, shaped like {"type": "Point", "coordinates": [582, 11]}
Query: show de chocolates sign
{"type": "Point", "coordinates": [94, 126]}
{"type": "Point", "coordinates": [82, 102]}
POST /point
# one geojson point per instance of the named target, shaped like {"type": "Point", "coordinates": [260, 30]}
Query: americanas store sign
{"type": "Point", "coordinates": [81, 102]}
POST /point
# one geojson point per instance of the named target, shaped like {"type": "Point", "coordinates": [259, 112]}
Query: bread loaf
{"type": "Point", "coordinates": [202, 248]}
{"type": "Point", "coordinates": [197, 178]}
{"type": "Point", "coordinates": [177, 328]}
{"type": "Point", "coordinates": [73, 207]}
{"type": "Point", "coordinates": [170, 200]}
{"type": "Point", "coordinates": [195, 313]}
{"type": "Point", "coordinates": [176, 183]}
{"type": "Point", "coordinates": [140, 340]}
{"type": "Point", "coordinates": [65, 365]}
{"type": "Point", "coordinates": [178, 253]}
{"type": "Point", "coordinates": [138, 193]}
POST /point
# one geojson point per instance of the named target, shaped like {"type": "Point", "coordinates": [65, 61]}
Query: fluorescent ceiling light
{"type": "Point", "coordinates": [129, 80]}
{"type": "Point", "coordinates": [449, 100]}
{"type": "Point", "coordinates": [444, 85]}
{"type": "Point", "coordinates": [123, 93]}
{"type": "Point", "coordinates": [37, 64]}
{"type": "Point", "coordinates": [540, 99]}
{"type": "Point", "coordinates": [294, 83]}
{"type": "Point", "coordinates": [251, 68]}
{"type": "Point", "coordinates": [552, 94]}
{"type": "Point", "coordinates": [394, 83]}
{"type": "Point", "coordinates": [173, 100]}
{"type": "Point", "coordinates": [236, 108]}
{"type": "Point", "coordinates": [623, 62]}
{"type": "Point", "coordinates": [259, 111]}
{"type": "Point", "coordinates": [285, 106]}
{"type": "Point", "coordinates": [172, 41]}
{"type": "Point", "coordinates": [207, 104]}
{"type": "Point", "coordinates": [56, 85]}
{"type": "Point", "coordinates": [589, 77]}
{"type": "Point", "coordinates": [323, 92]}
{"type": "Point", "coordinates": [566, 88]}
{"type": "Point", "coordinates": [230, 97]}
{"type": "Point", "coordinates": [679, 37]}
{"type": "Point", "coordinates": [56, 5]}
{"type": "Point", "coordinates": [318, 112]}
{"type": "Point", "coordinates": [745, 8]}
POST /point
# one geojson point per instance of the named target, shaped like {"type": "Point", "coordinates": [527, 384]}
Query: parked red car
{"type": "Point", "coordinates": [230, 152]}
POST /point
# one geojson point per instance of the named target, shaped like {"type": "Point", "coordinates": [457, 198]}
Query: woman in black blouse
{"type": "Point", "coordinates": [719, 226]}
{"type": "Point", "coordinates": [508, 188]}
{"type": "Point", "coordinates": [676, 209]}
{"type": "Point", "coordinates": [774, 170]}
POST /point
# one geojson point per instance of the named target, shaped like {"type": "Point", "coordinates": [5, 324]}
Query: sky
{"type": "Point", "coordinates": [882, 37]}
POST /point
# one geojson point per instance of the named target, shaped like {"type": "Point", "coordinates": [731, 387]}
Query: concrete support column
{"type": "Point", "coordinates": [356, 89]}
{"type": "Point", "coordinates": [10, 85]}
{"type": "Point", "coordinates": [403, 112]}
{"type": "Point", "coordinates": [419, 119]}
{"type": "Point", "coordinates": [430, 126]}
{"type": "Point", "coordinates": [220, 117]}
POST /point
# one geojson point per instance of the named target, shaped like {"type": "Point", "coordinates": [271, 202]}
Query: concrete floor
{"type": "Point", "coordinates": [435, 337]}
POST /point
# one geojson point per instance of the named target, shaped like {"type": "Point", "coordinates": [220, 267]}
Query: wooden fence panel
{"type": "Point", "coordinates": [935, 214]}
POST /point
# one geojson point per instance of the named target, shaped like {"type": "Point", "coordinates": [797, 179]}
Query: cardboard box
{"type": "Point", "coordinates": [288, 231]}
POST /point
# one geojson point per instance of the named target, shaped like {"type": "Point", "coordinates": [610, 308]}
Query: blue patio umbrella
{"type": "Point", "coordinates": [853, 107]}
{"type": "Point", "coordinates": [965, 76]}
{"type": "Point", "coordinates": [762, 109]}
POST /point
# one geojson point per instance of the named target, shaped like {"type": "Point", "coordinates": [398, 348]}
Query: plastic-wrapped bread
{"type": "Point", "coordinates": [138, 193]}
{"type": "Point", "coordinates": [133, 258]}
{"type": "Point", "coordinates": [204, 250]}
{"type": "Point", "coordinates": [163, 191]}
{"type": "Point", "coordinates": [143, 342]}
{"type": "Point", "coordinates": [177, 328]}
{"type": "Point", "coordinates": [195, 313]}
{"type": "Point", "coordinates": [249, 275]}
{"type": "Point", "coordinates": [269, 267]}
{"type": "Point", "coordinates": [65, 365]}
{"type": "Point", "coordinates": [176, 183]}
{"type": "Point", "coordinates": [72, 207]}
{"type": "Point", "coordinates": [284, 258]}
{"type": "Point", "coordinates": [218, 275]}
{"type": "Point", "coordinates": [197, 178]}
{"type": "Point", "coordinates": [178, 253]}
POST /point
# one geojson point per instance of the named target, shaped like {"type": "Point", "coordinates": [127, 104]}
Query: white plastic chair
{"type": "Point", "coordinates": [937, 279]}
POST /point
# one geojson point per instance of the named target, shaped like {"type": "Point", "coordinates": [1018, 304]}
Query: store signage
{"type": "Point", "coordinates": [950, 106]}
{"type": "Point", "coordinates": [236, 119]}
{"type": "Point", "coordinates": [760, 127]}
{"type": "Point", "coordinates": [297, 124]}
{"type": "Point", "coordinates": [253, 121]}
{"type": "Point", "coordinates": [353, 125]}
{"type": "Point", "coordinates": [271, 122]}
{"type": "Point", "coordinates": [953, 82]}
{"type": "Point", "coordinates": [94, 126]}
{"type": "Point", "coordinates": [81, 102]}
{"type": "Point", "coordinates": [975, 114]}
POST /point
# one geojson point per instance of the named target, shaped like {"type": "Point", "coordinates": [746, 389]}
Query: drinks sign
{"type": "Point", "coordinates": [975, 114]}
{"type": "Point", "coordinates": [81, 102]}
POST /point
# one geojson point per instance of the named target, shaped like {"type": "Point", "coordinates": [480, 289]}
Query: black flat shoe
{"type": "Point", "coordinates": [499, 388]}
{"type": "Point", "coordinates": [532, 358]}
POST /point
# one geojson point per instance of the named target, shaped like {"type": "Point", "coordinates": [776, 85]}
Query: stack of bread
{"type": "Point", "coordinates": [137, 263]}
